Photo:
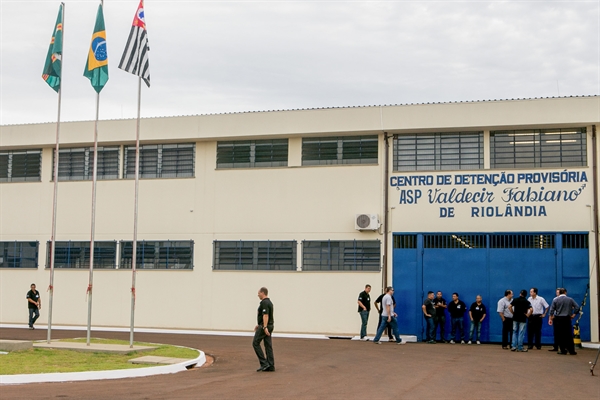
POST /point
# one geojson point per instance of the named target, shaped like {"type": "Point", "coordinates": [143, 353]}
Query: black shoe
{"type": "Point", "coordinates": [529, 347]}
{"type": "Point", "coordinates": [269, 369]}
{"type": "Point", "coordinates": [539, 348]}
{"type": "Point", "coordinates": [265, 368]}
{"type": "Point", "coordinates": [573, 353]}
{"type": "Point", "coordinates": [561, 353]}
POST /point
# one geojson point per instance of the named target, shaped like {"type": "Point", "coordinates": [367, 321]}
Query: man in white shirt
{"type": "Point", "coordinates": [534, 324]}
{"type": "Point", "coordinates": [388, 317]}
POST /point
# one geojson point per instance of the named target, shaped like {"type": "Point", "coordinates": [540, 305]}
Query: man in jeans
{"type": "Point", "coordinates": [364, 307]}
{"type": "Point", "coordinates": [507, 318]}
{"type": "Point", "coordinates": [457, 309]}
{"type": "Point", "coordinates": [429, 312]}
{"type": "Point", "coordinates": [440, 316]}
{"type": "Point", "coordinates": [521, 309]}
{"type": "Point", "coordinates": [388, 317]}
{"type": "Point", "coordinates": [477, 314]}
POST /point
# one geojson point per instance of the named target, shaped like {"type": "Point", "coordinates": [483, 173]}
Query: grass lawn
{"type": "Point", "coordinates": [36, 361]}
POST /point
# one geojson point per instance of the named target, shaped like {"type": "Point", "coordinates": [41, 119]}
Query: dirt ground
{"type": "Point", "coordinates": [336, 369]}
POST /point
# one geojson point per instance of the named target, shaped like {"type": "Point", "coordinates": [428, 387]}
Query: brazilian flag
{"type": "Point", "coordinates": [51, 73]}
{"type": "Point", "coordinates": [96, 67]}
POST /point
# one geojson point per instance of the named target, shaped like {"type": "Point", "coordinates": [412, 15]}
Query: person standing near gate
{"type": "Point", "coordinates": [534, 327]}
{"type": "Point", "coordinates": [34, 304]}
{"type": "Point", "coordinates": [364, 307]}
{"type": "Point", "coordinates": [440, 316]}
{"type": "Point", "coordinates": [477, 314]}
{"type": "Point", "coordinates": [263, 331]}
{"type": "Point", "coordinates": [555, 344]}
{"type": "Point", "coordinates": [521, 309]}
{"type": "Point", "coordinates": [388, 317]}
{"type": "Point", "coordinates": [379, 308]}
{"type": "Point", "coordinates": [562, 311]}
{"type": "Point", "coordinates": [429, 313]}
{"type": "Point", "coordinates": [507, 318]}
{"type": "Point", "coordinates": [457, 309]}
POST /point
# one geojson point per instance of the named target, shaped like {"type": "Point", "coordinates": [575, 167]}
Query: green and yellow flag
{"type": "Point", "coordinates": [96, 67]}
{"type": "Point", "coordinates": [51, 73]}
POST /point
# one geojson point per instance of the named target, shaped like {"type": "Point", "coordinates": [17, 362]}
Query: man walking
{"type": "Point", "coordinates": [534, 327]}
{"type": "Point", "coordinates": [263, 331]}
{"type": "Point", "coordinates": [562, 311]}
{"type": "Point", "coordinates": [388, 317]}
{"type": "Point", "coordinates": [429, 313]}
{"type": "Point", "coordinates": [507, 318]}
{"type": "Point", "coordinates": [521, 309]}
{"type": "Point", "coordinates": [34, 304]}
{"type": "Point", "coordinates": [364, 307]}
{"type": "Point", "coordinates": [440, 316]}
{"type": "Point", "coordinates": [477, 314]}
{"type": "Point", "coordinates": [457, 309]}
{"type": "Point", "coordinates": [379, 308]}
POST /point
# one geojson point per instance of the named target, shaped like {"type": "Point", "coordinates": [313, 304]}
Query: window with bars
{"type": "Point", "coordinates": [252, 153]}
{"type": "Point", "coordinates": [161, 161]}
{"type": "Point", "coordinates": [438, 151]}
{"type": "Point", "coordinates": [405, 241]}
{"type": "Point", "coordinates": [20, 165]}
{"type": "Point", "coordinates": [538, 148]}
{"type": "Point", "coordinates": [349, 255]}
{"type": "Point", "coordinates": [454, 241]}
{"type": "Point", "coordinates": [77, 255]}
{"type": "Point", "coordinates": [522, 241]}
{"type": "Point", "coordinates": [168, 254]}
{"type": "Point", "coordinates": [254, 255]}
{"type": "Point", "coordinates": [19, 254]}
{"type": "Point", "coordinates": [340, 150]}
{"type": "Point", "coordinates": [575, 241]}
{"type": "Point", "coordinates": [77, 164]}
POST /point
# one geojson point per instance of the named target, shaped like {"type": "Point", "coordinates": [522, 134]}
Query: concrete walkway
{"type": "Point", "coordinates": [93, 347]}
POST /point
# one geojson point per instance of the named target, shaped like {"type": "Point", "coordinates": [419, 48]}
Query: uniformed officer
{"type": "Point", "coordinates": [263, 331]}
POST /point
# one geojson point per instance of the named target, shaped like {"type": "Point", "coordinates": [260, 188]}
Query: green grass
{"type": "Point", "coordinates": [36, 361]}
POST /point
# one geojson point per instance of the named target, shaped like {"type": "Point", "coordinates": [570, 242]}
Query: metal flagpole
{"type": "Point", "coordinates": [55, 197]}
{"type": "Point", "coordinates": [93, 225]}
{"type": "Point", "coordinates": [135, 213]}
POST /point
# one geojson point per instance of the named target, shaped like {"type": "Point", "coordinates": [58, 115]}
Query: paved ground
{"type": "Point", "coordinates": [337, 369]}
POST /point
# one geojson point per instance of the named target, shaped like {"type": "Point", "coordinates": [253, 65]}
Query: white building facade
{"type": "Point", "coordinates": [473, 198]}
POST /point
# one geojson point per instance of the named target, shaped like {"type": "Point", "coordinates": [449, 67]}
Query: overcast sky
{"type": "Point", "coordinates": [231, 56]}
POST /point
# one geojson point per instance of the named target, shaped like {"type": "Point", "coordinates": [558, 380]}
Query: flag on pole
{"type": "Point", "coordinates": [135, 55]}
{"type": "Point", "coordinates": [51, 73]}
{"type": "Point", "coordinates": [96, 67]}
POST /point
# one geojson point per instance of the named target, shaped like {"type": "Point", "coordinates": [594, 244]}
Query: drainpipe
{"type": "Point", "coordinates": [596, 239]}
{"type": "Point", "coordinates": [386, 173]}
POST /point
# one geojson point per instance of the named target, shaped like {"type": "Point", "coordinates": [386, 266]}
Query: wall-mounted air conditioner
{"type": "Point", "coordinates": [366, 222]}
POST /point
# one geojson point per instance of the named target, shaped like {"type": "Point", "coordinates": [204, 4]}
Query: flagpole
{"type": "Point", "coordinates": [55, 197]}
{"type": "Point", "coordinates": [135, 213]}
{"type": "Point", "coordinates": [93, 224]}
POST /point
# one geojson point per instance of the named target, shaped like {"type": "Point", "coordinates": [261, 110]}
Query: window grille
{"type": "Point", "coordinates": [77, 163]}
{"type": "Point", "coordinates": [161, 161]}
{"type": "Point", "coordinates": [252, 153]}
{"type": "Point", "coordinates": [20, 165]}
{"type": "Point", "coordinates": [405, 241]}
{"type": "Point", "coordinates": [255, 255]}
{"type": "Point", "coordinates": [340, 150]}
{"type": "Point", "coordinates": [539, 148]}
{"type": "Point", "coordinates": [454, 241]}
{"type": "Point", "coordinates": [169, 254]}
{"type": "Point", "coordinates": [523, 241]}
{"type": "Point", "coordinates": [77, 254]}
{"type": "Point", "coordinates": [438, 151]}
{"type": "Point", "coordinates": [350, 255]}
{"type": "Point", "coordinates": [19, 254]}
{"type": "Point", "coordinates": [575, 241]}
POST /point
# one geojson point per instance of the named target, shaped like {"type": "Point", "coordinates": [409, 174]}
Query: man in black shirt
{"type": "Point", "coordinates": [521, 309]}
{"type": "Point", "coordinates": [440, 316]}
{"type": "Point", "coordinates": [364, 307]}
{"type": "Point", "coordinates": [477, 314]}
{"type": "Point", "coordinates": [34, 304]}
{"type": "Point", "coordinates": [263, 331]}
{"type": "Point", "coordinates": [457, 309]}
{"type": "Point", "coordinates": [429, 312]}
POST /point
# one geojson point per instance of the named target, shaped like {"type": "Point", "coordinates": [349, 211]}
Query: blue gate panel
{"type": "Point", "coordinates": [404, 279]}
{"type": "Point", "coordinates": [575, 280]}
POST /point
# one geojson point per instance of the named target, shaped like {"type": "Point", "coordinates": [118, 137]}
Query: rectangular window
{"type": "Point", "coordinates": [438, 151]}
{"type": "Point", "coordinates": [76, 164]}
{"type": "Point", "coordinates": [538, 148]}
{"type": "Point", "coordinates": [255, 255]}
{"type": "Point", "coordinates": [252, 153]}
{"type": "Point", "coordinates": [454, 241]}
{"type": "Point", "coordinates": [167, 254]}
{"type": "Point", "coordinates": [77, 255]}
{"type": "Point", "coordinates": [20, 165]}
{"type": "Point", "coordinates": [349, 255]}
{"type": "Point", "coordinates": [161, 161]}
{"type": "Point", "coordinates": [19, 254]}
{"type": "Point", "coordinates": [575, 241]}
{"type": "Point", "coordinates": [405, 241]}
{"type": "Point", "coordinates": [340, 150]}
{"type": "Point", "coordinates": [522, 241]}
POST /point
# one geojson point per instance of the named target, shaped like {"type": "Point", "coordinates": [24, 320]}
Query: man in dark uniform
{"type": "Point", "coordinates": [263, 331]}
{"type": "Point", "coordinates": [429, 313]}
{"type": "Point", "coordinates": [457, 309]}
{"type": "Point", "coordinates": [440, 316]}
{"type": "Point", "coordinates": [562, 311]}
{"type": "Point", "coordinates": [364, 307]}
{"type": "Point", "coordinates": [34, 304]}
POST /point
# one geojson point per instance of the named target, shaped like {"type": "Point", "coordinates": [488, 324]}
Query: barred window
{"type": "Point", "coordinates": [161, 161]}
{"type": "Point", "coordinates": [538, 148]}
{"type": "Point", "coordinates": [438, 151]}
{"type": "Point", "coordinates": [349, 255]}
{"type": "Point", "coordinates": [77, 254]}
{"type": "Point", "coordinates": [522, 241]}
{"type": "Point", "coordinates": [20, 165]}
{"type": "Point", "coordinates": [340, 150]}
{"type": "Point", "coordinates": [454, 241]}
{"type": "Point", "coordinates": [254, 255]}
{"type": "Point", "coordinates": [575, 241]}
{"type": "Point", "coordinates": [167, 254]}
{"type": "Point", "coordinates": [77, 164]}
{"type": "Point", "coordinates": [405, 241]}
{"type": "Point", "coordinates": [252, 153]}
{"type": "Point", "coordinates": [19, 254]}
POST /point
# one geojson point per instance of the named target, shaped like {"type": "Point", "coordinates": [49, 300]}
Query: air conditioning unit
{"type": "Point", "coordinates": [366, 222]}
